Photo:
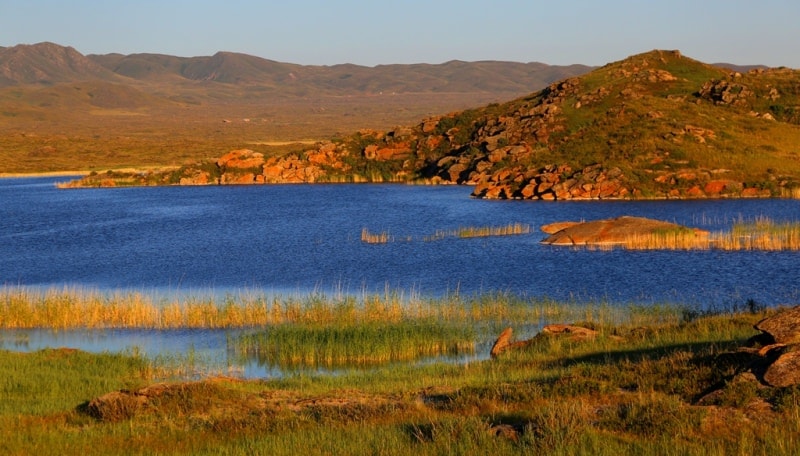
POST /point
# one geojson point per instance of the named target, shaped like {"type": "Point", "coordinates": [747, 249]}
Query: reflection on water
{"type": "Point", "coordinates": [195, 353]}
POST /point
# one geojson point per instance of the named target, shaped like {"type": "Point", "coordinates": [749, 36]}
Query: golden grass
{"type": "Point", "coordinates": [23, 308]}
{"type": "Point", "coordinates": [762, 234]}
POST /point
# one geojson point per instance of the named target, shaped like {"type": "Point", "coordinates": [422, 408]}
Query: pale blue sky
{"type": "Point", "coordinates": [592, 32]}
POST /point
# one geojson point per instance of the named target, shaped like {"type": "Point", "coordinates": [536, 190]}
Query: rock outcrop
{"type": "Point", "coordinates": [781, 335]}
{"type": "Point", "coordinates": [771, 359]}
{"type": "Point", "coordinates": [609, 231]}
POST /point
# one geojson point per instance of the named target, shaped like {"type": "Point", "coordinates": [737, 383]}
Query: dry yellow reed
{"type": "Point", "coordinates": [81, 309]}
{"type": "Point", "coordinates": [762, 234]}
{"type": "Point", "coordinates": [374, 238]}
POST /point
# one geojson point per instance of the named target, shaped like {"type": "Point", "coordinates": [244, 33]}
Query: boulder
{"type": "Point", "coordinates": [783, 327]}
{"type": "Point", "coordinates": [774, 355]}
{"type": "Point", "coordinates": [785, 370]}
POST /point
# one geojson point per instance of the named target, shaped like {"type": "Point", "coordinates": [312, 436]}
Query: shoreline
{"type": "Point", "coordinates": [44, 174]}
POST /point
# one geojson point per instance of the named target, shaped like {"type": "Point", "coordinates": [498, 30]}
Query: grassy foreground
{"type": "Point", "coordinates": [634, 389]}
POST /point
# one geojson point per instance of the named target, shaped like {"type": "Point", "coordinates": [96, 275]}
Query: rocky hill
{"type": "Point", "coordinates": [655, 125]}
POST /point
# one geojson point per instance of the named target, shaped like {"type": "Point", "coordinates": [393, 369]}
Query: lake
{"type": "Point", "coordinates": [299, 239]}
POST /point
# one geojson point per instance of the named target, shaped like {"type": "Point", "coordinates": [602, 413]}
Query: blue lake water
{"type": "Point", "coordinates": [297, 239]}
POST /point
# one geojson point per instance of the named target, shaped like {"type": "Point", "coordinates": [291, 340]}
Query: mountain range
{"type": "Point", "coordinates": [49, 63]}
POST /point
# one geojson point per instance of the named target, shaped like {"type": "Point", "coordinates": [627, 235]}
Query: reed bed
{"type": "Point", "coordinates": [22, 308]}
{"type": "Point", "coordinates": [512, 229]}
{"type": "Point", "coordinates": [793, 192]}
{"type": "Point", "coordinates": [487, 231]}
{"type": "Point", "coordinates": [293, 346]}
{"type": "Point", "coordinates": [760, 235]}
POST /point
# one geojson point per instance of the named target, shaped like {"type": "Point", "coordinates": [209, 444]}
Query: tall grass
{"type": "Point", "coordinates": [77, 308]}
{"type": "Point", "coordinates": [289, 346]}
{"type": "Point", "coordinates": [793, 192]}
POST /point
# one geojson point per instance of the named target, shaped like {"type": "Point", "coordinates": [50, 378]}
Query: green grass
{"type": "Point", "coordinates": [293, 346]}
{"type": "Point", "coordinates": [631, 390]}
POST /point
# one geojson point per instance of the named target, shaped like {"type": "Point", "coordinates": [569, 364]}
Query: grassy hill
{"type": "Point", "coordinates": [664, 125]}
{"type": "Point", "coordinates": [654, 125]}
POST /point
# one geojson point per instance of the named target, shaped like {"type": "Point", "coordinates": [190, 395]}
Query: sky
{"type": "Point", "coordinates": [316, 32]}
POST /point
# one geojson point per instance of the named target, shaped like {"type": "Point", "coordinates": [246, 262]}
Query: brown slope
{"type": "Point", "coordinates": [47, 63]}
{"type": "Point", "coordinates": [147, 67]}
{"type": "Point", "coordinates": [235, 68]}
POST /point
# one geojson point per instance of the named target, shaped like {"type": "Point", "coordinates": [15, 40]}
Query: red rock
{"type": "Point", "coordinates": [371, 152]}
{"type": "Point", "coordinates": [241, 159]}
{"type": "Point", "coordinates": [754, 193]}
{"type": "Point", "coordinates": [608, 189]}
{"type": "Point", "coordinates": [695, 192]}
{"type": "Point", "coordinates": [398, 151]}
{"type": "Point", "coordinates": [432, 142]}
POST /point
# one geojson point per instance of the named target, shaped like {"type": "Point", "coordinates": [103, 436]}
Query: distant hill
{"type": "Point", "coordinates": [654, 125]}
{"type": "Point", "coordinates": [49, 63]}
